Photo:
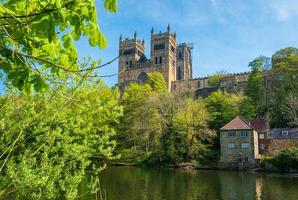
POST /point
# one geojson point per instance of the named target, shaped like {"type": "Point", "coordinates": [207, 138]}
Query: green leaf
{"type": "Point", "coordinates": [51, 29]}
{"type": "Point", "coordinates": [67, 38]}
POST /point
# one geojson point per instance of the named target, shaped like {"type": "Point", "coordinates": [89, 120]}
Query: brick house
{"type": "Point", "coordinates": [282, 138]}
{"type": "Point", "coordinates": [239, 144]}
{"type": "Point", "coordinates": [262, 128]}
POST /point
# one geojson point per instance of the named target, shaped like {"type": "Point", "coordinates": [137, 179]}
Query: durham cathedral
{"type": "Point", "coordinates": [173, 61]}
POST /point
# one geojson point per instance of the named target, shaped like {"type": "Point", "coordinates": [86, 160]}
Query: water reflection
{"type": "Point", "coordinates": [128, 183]}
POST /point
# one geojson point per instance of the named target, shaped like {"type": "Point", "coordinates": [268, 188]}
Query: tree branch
{"type": "Point", "coordinates": [45, 11]}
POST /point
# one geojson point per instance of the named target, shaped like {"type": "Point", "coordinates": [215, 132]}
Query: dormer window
{"type": "Point", "coordinates": [284, 133]}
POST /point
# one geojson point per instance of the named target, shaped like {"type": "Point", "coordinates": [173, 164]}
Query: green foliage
{"type": "Point", "coordinates": [260, 63]}
{"type": "Point", "coordinates": [140, 124]}
{"type": "Point", "coordinates": [222, 108]}
{"type": "Point", "coordinates": [284, 74]}
{"type": "Point", "coordinates": [192, 120]}
{"type": "Point", "coordinates": [247, 108]}
{"type": "Point", "coordinates": [214, 80]}
{"type": "Point", "coordinates": [49, 140]}
{"type": "Point", "coordinates": [185, 136]}
{"type": "Point", "coordinates": [290, 110]}
{"type": "Point", "coordinates": [158, 127]}
{"type": "Point", "coordinates": [280, 55]}
{"type": "Point", "coordinates": [286, 159]}
{"type": "Point", "coordinates": [156, 82]}
{"type": "Point", "coordinates": [37, 39]}
{"type": "Point", "coordinates": [255, 88]}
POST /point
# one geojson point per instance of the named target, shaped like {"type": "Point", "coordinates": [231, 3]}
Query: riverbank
{"type": "Point", "coordinates": [210, 166]}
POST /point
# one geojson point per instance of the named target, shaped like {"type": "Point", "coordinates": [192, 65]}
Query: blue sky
{"type": "Point", "coordinates": [227, 34]}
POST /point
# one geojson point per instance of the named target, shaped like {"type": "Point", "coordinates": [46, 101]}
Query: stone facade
{"type": "Point", "coordinates": [239, 144]}
{"type": "Point", "coordinates": [134, 65]}
{"type": "Point", "coordinates": [174, 61]}
{"type": "Point", "coordinates": [282, 138]}
{"type": "Point", "coordinates": [198, 87]}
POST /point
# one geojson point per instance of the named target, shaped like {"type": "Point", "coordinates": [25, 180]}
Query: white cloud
{"type": "Point", "coordinates": [284, 9]}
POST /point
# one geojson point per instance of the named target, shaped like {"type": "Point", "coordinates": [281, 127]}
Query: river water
{"type": "Point", "coordinates": [130, 183]}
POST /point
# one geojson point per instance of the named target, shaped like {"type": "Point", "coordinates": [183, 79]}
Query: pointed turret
{"type": "Point", "coordinates": [168, 28]}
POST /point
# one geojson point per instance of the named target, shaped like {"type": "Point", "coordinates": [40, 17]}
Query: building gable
{"type": "Point", "coordinates": [237, 124]}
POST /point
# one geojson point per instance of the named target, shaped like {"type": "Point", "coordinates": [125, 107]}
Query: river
{"type": "Point", "coordinates": [130, 183]}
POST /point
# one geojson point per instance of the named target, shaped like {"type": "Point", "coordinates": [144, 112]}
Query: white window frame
{"type": "Point", "coordinates": [244, 145]}
{"type": "Point", "coordinates": [262, 146]}
{"type": "Point", "coordinates": [262, 136]}
{"type": "Point", "coordinates": [231, 146]}
{"type": "Point", "coordinates": [285, 133]}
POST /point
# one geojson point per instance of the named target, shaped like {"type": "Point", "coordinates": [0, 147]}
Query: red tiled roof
{"type": "Point", "coordinates": [260, 125]}
{"type": "Point", "coordinates": [237, 124]}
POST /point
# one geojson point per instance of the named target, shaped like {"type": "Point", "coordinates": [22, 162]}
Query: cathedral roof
{"type": "Point", "coordinates": [143, 58]}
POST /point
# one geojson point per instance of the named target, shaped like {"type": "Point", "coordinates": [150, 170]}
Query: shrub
{"type": "Point", "coordinates": [286, 159]}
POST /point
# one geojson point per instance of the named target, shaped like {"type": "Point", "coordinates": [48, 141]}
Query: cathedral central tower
{"type": "Point", "coordinates": [134, 65]}
{"type": "Point", "coordinates": [163, 54]}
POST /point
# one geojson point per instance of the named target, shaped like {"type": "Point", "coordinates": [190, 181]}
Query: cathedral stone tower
{"type": "Point", "coordinates": [184, 62]}
{"type": "Point", "coordinates": [131, 51]}
{"type": "Point", "coordinates": [173, 61]}
{"type": "Point", "coordinates": [163, 54]}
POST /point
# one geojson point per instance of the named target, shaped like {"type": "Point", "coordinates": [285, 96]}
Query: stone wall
{"type": "Point", "coordinates": [189, 87]}
{"type": "Point", "coordinates": [276, 145]}
{"type": "Point", "coordinates": [231, 83]}
{"type": "Point", "coordinates": [233, 155]}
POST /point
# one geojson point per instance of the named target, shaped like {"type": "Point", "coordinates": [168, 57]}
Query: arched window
{"type": "Point", "coordinates": [142, 77]}
{"type": "Point", "coordinates": [179, 73]}
{"type": "Point", "coordinates": [180, 55]}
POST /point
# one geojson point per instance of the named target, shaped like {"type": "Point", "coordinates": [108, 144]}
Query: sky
{"type": "Point", "coordinates": [226, 34]}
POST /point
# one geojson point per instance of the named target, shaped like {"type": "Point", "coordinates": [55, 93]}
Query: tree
{"type": "Point", "coordinates": [287, 159]}
{"type": "Point", "coordinates": [255, 89]}
{"type": "Point", "coordinates": [284, 83]}
{"type": "Point", "coordinates": [290, 110]}
{"type": "Point", "coordinates": [214, 80]}
{"type": "Point", "coordinates": [192, 120]}
{"type": "Point", "coordinates": [49, 140]}
{"type": "Point", "coordinates": [140, 124]}
{"type": "Point", "coordinates": [171, 148]}
{"type": "Point", "coordinates": [156, 82]}
{"type": "Point", "coordinates": [222, 108]}
{"type": "Point", "coordinates": [247, 108]}
{"type": "Point", "coordinates": [37, 39]}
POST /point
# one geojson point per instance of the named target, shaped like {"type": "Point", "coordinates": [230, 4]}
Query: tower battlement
{"type": "Point", "coordinates": [173, 61]}
{"type": "Point", "coordinates": [133, 63]}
